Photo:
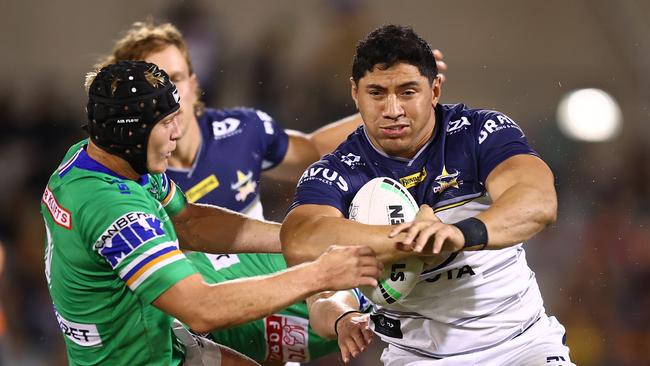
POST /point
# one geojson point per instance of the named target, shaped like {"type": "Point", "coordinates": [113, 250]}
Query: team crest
{"type": "Point", "coordinates": [446, 181]}
{"type": "Point", "coordinates": [244, 186]}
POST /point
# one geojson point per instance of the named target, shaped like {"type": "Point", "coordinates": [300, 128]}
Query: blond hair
{"type": "Point", "coordinates": [145, 38]}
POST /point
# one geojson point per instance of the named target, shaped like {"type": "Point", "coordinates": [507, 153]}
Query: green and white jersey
{"type": "Point", "coordinates": [110, 251]}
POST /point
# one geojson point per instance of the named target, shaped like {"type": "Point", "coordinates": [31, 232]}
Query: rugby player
{"type": "Point", "coordinates": [115, 224]}
{"type": "Point", "coordinates": [483, 191]}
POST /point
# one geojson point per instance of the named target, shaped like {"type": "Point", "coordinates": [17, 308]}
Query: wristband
{"type": "Point", "coordinates": [474, 231]}
{"type": "Point", "coordinates": [336, 323]}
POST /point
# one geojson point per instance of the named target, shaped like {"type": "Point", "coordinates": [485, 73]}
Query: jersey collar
{"type": "Point", "coordinates": [85, 162]}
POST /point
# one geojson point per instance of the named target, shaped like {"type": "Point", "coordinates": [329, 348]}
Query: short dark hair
{"type": "Point", "coordinates": [392, 44]}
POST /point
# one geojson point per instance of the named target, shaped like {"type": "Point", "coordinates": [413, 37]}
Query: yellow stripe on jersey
{"type": "Point", "coordinates": [452, 205]}
{"type": "Point", "coordinates": [202, 188]}
{"type": "Point", "coordinates": [170, 195]}
{"type": "Point", "coordinates": [144, 269]}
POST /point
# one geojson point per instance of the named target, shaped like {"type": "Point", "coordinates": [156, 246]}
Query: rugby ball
{"type": "Point", "coordinates": [384, 201]}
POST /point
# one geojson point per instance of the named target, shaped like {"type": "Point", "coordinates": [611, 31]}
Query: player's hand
{"type": "Point", "coordinates": [442, 66]}
{"type": "Point", "coordinates": [427, 235]}
{"type": "Point", "coordinates": [354, 335]}
{"type": "Point", "coordinates": [345, 267]}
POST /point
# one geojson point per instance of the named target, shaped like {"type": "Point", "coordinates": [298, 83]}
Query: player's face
{"type": "Point", "coordinates": [172, 61]}
{"type": "Point", "coordinates": [162, 141]}
{"type": "Point", "coordinates": [396, 105]}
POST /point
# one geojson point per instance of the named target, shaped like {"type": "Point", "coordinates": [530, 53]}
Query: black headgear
{"type": "Point", "coordinates": [125, 101]}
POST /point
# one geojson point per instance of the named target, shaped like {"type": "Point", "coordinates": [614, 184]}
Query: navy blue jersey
{"type": "Point", "coordinates": [463, 301]}
{"type": "Point", "coordinates": [452, 168]}
{"type": "Point", "coordinates": [236, 146]}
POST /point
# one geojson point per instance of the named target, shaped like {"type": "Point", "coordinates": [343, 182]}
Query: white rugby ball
{"type": "Point", "coordinates": [384, 201]}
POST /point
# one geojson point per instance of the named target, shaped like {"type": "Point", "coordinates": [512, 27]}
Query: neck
{"type": "Point", "coordinates": [187, 147]}
{"type": "Point", "coordinates": [111, 161]}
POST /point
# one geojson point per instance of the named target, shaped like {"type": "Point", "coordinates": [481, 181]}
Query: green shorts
{"type": "Point", "coordinates": [284, 336]}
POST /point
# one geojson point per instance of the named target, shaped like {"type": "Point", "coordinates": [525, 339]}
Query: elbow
{"type": "Point", "coordinates": [290, 248]}
{"type": "Point", "coordinates": [547, 213]}
{"type": "Point", "coordinates": [550, 210]}
{"type": "Point", "coordinates": [200, 326]}
{"type": "Point", "coordinates": [551, 216]}
{"type": "Point", "coordinates": [293, 239]}
{"type": "Point", "coordinates": [207, 322]}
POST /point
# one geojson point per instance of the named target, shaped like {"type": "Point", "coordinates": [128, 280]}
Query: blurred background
{"type": "Point", "coordinates": [292, 59]}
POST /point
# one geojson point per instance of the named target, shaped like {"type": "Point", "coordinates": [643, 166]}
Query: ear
{"type": "Point", "coordinates": [436, 90]}
{"type": "Point", "coordinates": [354, 90]}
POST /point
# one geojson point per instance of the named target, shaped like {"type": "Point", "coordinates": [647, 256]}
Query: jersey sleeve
{"type": "Point", "coordinates": [364, 304]}
{"type": "Point", "coordinates": [139, 244]}
{"type": "Point", "coordinates": [169, 195]}
{"type": "Point", "coordinates": [274, 139]}
{"type": "Point", "coordinates": [323, 183]}
{"type": "Point", "coordinates": [499, 137]}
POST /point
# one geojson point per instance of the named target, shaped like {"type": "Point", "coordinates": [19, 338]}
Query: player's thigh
{"type": "Point", "coordinates": [393, 356]}
{"type": "Point", "coordinates": [543, 344]}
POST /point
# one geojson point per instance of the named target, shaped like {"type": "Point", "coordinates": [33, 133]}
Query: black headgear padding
{"type": "Point", "coordinates": [125, 101]}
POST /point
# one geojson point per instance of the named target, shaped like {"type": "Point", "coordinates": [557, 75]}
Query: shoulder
{"type": "Point", "coordinates": [458, 119]}
{"type": "Point", "coordinates": [224, 123]}
{"type": "Point", "coordinates": [356, 142]}
{"type": "Point", "coordinates": [99, 192]}
{"type": "Point", "coordinates": [341, 169]}
{"type": "Point", "coordinates": [242, 113]}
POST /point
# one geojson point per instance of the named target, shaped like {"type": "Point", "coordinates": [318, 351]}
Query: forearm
{"type": "Point", "coordinates": [214, 229]}
{"type": "Point", "coordinates": [521, 211]}
{"type": "Point", "coordinates": [300, 154]}
{"type": "Point", "coordinates": [305, 240]}
{"type": "Point", "coordinates": [239, 301]}
{"type": "Point", "coordinates": [326, 308]}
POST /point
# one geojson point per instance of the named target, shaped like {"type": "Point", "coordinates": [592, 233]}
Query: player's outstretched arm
{"type": "Point", "coordinates": [205, 307]}
{"type": "Point", "coordinates": [335, 315]}
{"type": "Point", "coordinates": [308, 230]}
{"type": "Point", "coordinates": [328, 137]}
{"type": "Point", "coordinates": [524, 203]}
{"type": "Point", "coordinates": [301, 153]}
{"type": "Point", "coordinates": [212, 229]}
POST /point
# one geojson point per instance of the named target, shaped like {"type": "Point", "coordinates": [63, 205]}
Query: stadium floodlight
{"type": "Point", "coordinates": [590, 115]}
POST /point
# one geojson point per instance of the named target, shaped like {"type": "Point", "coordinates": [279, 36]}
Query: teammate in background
{"type": "Point", "coordinates": [221, 154]}
{"type": "Point", "coordinates": [113, 263]}
{"type": "Point", "coordinates": [483, 191]}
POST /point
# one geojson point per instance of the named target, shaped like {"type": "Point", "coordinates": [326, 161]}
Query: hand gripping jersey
{"type": "Point", "coordinates": [465, 301]}
{"type": "Point", "coordinates": [110, 251]}
{"type": "Point", "coordinates": [236, 146]}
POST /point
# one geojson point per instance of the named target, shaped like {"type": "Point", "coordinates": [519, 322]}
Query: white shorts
{"type": "Point", "coordinates": [540, 345]}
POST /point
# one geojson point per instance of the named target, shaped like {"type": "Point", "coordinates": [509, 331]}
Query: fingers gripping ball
{"type": "Point", "coordinates": [383, 201]}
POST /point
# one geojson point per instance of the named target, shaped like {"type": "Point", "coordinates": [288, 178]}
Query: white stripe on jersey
{"type": "Point", "coordinates": [147, 253]}
{"type": "Point", "coordinates": [67, 164]}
